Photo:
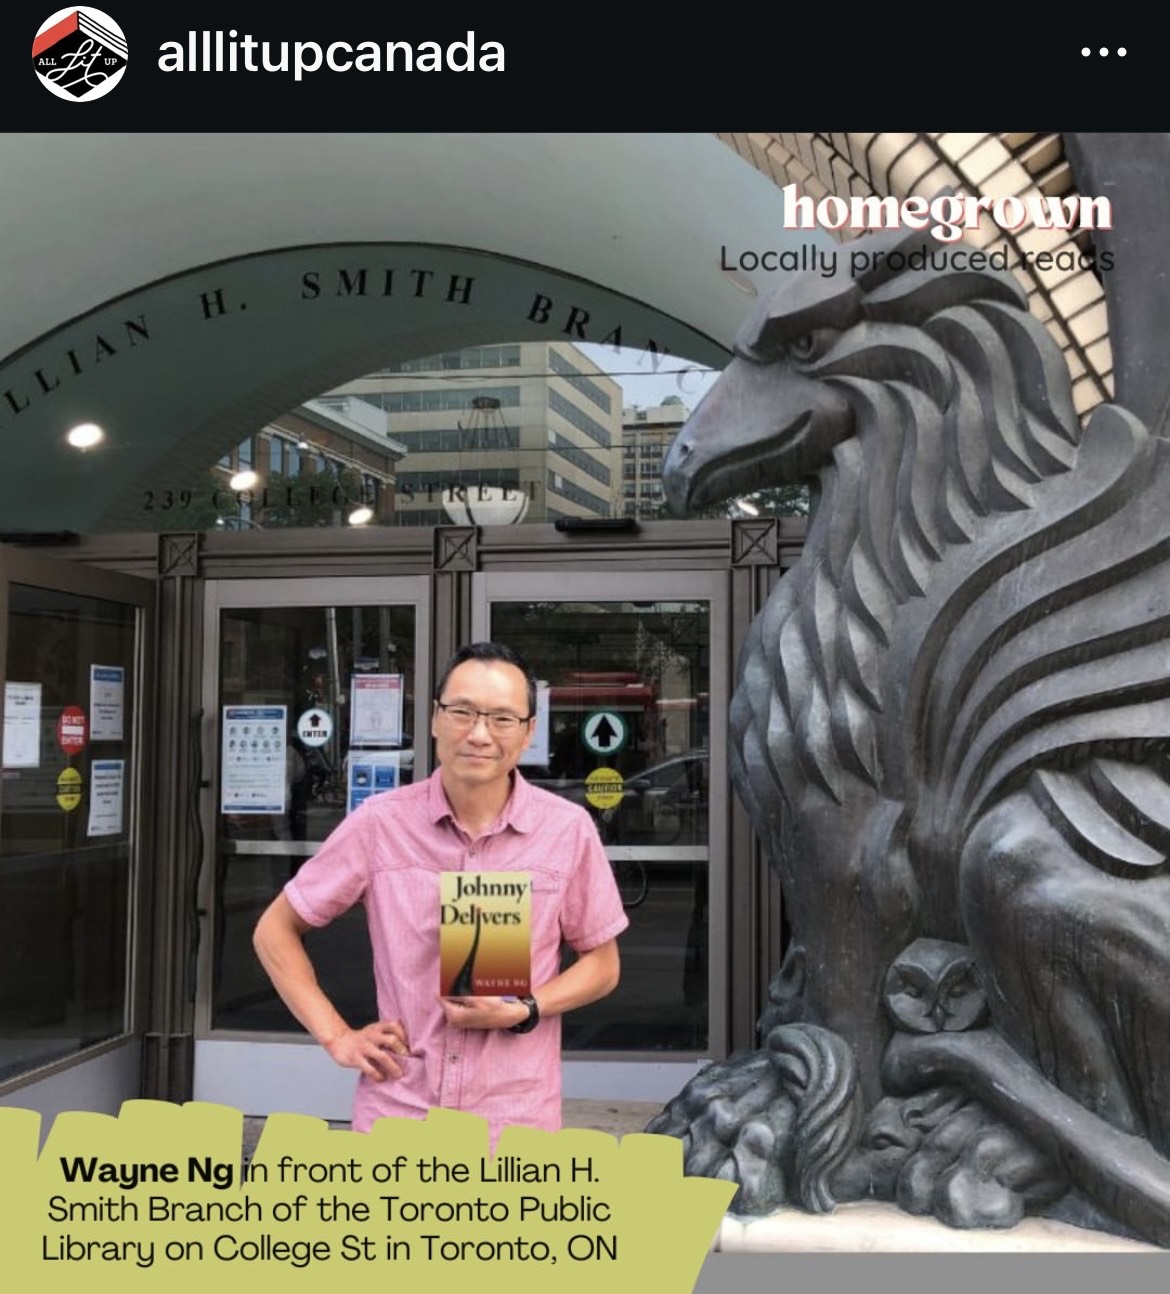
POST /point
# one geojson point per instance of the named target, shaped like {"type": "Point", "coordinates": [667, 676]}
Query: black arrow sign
{"type": "Point", "coordinates": [605, 734]}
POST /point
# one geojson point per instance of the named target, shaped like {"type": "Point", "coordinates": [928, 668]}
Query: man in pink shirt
{"type": "Point", "coordinates": [494, 1056]}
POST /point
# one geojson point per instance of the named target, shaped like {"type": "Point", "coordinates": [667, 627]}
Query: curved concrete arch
{"type": "Point", "coordinates": [264, 333]}
{"type": "Point", "coordinates": [103, 232]}
{"type": "Point", "coordinates": [156, 283]}
{"type": "Point", "coordinates": [91, 217]}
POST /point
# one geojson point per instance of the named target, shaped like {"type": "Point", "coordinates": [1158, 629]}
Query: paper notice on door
{"type": "Point", "coordinates": [22, 725]}
{"type": "Point", "coordinates": [107, 690]}
{"type": "Point", "coordinates": [253, 763]}
{"type": "Point", "coordinates": [106, 778]}
{"type": "Point", "coordinates": [375, 712]}
{"type": "Point", "coordinates": [368, 772]}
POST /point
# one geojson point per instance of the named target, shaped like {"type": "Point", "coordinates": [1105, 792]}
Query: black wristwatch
{"type": "Point", "coordinates": [526, 1026]}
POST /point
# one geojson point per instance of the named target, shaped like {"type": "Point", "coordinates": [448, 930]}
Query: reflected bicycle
{"type": "Point", "coordinates": [633, 881]}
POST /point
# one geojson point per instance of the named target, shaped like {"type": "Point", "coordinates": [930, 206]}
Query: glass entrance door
{"type": "Point", "coordinates": [316, 696]}
{"type": "Point", "coordinates": [71, 880]}
{"type": "Point", "coordinates": [632, 723]}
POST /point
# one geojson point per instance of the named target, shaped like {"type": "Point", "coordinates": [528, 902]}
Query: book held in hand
{"type": "Point", "coordinates": [485, 934]}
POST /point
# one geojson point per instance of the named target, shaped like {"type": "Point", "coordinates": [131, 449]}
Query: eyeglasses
{"type": "Point", "coordinates": [499, 722]}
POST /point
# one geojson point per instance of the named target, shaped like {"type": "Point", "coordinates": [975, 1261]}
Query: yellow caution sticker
{"type": "Point", "coordinates": [604, 788]}
{"type": "Point", "coordinates": [69, 789]}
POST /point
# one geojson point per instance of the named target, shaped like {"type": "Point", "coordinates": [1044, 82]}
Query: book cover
{"type": "Point", "coordinates": [485, 934]}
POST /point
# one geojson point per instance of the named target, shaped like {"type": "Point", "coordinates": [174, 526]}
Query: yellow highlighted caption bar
{"type": "Point", "coordinates": [161, 1191]}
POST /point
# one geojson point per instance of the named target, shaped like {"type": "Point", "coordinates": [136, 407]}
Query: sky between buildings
{"type": "Point", "coordinates": [634, 371]}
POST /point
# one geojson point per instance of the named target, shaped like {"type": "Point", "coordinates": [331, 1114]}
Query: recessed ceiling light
{"type": "Point", "coordinates": [741, 281]}
{"type": "Point", "coordinates": [244, 480]}
{"type": "Point", "coordinates": [85, 435]}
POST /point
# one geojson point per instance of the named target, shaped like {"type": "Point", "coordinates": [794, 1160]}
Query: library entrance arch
{"type": "Point", "coordinates": [235, 610]}
{"type": "Point", "coordinates": [277, 643]}
{"type": "Point", "coordinates": [179, 373]}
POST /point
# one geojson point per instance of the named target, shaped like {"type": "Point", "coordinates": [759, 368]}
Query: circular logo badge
{"type": "Point", "coordinates": [604, 788]}
{"type": "Point", "coordinates": [79, 54]}
{"type": "Point", "coordinates": [69, 789]}
{"type": "Point", "coordinates": [72, 730]}
{"type": "Point", "coordinates": [315, 727]}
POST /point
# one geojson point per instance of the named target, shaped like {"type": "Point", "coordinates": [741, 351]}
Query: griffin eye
{"type": "Point", "coordinates": [811, 345]}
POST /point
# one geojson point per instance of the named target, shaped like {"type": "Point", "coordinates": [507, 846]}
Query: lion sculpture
{"type": "Point", "coordinates": [952, 734]}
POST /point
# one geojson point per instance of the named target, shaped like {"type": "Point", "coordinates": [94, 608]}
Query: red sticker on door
{"type": "Point", "coordinates": [72, 730]}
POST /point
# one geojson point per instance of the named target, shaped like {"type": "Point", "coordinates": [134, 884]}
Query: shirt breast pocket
{"type": "Point", "coordinates": [547, 897]}
{"type": "Point", "coordinates": [546, 885]}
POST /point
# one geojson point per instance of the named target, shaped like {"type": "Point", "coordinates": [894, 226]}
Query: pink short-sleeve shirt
{"type": "Point", "coordinates": [388, 855]}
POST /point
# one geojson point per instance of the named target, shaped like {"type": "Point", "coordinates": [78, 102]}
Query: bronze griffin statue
{"type": "Point", "coordinates": [952, 734]}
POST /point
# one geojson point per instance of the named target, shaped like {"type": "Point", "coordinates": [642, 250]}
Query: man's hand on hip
{"type": "Point", "coordinates": [483, 1012]}
{"type": "Point", "coordinates": [372, 1049]}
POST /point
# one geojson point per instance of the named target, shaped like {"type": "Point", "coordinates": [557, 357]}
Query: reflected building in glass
{"type": "Point", "coordinates": [489, 435]}
{"type": "Point", "coordinates": [527, 431]}
{"type": "Point", "coordinates": [313, 466]}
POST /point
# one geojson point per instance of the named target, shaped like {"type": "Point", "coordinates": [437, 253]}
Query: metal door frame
{"type": "Point", "coordinates": [647, 1076]}
{"type": "Point", "coordinates": [262, 1072]}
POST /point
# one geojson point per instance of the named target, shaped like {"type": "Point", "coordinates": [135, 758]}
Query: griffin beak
{"type": "Point", "coordinates": [759, 425]}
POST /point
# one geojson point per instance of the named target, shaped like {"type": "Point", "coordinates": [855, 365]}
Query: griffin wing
{"type": "Point", "coordinates": [1046, 653]}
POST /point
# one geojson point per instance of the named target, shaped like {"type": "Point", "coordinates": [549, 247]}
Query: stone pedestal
{"type": "Point", "coordinates": [884, 1229]}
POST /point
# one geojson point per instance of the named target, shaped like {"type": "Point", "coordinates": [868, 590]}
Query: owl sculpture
{"type": "Point", "coordinates": [934, 987]}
